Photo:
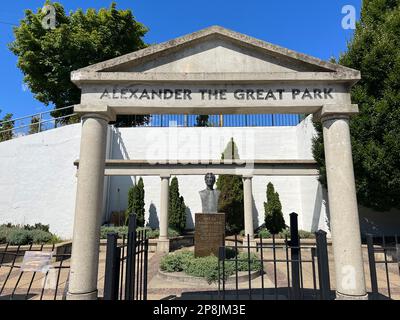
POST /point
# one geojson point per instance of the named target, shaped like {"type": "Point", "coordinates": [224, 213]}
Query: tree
{"type": "Point", "coordinates": [375, 131]}
{"type": "Point", "coordinates": [274, 220]}
{"type": "Point", "coordinates": [6, 127]}
{"type": "Point", "coordinates": [231, 197]}
{"type": "Point", "coordinates": [136, 202]}
{"type": "Point", "coordinates": [47, 56]}
{"type": "Point", "coordinates": [176, 207]}
{"type": "Point", "coordinates": [34, 126]}
{"type": "Point", "coordinates": [202, 121]}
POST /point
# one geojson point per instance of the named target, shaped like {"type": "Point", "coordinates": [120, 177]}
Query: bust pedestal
{"type": "Point", "coordinates": [209, 233]}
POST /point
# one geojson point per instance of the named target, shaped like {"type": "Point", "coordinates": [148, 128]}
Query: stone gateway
{"type": "Point", "coordinates": [223, 72]}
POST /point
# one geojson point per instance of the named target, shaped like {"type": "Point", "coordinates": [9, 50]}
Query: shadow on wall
{"type": "Point", "coordinates": [189, 219]}
{"type": "Point", "coordinates": [321, 199]}
{"type": "Point", "coordinates": [256, 222]}
{"type": "Point", "coordinates": [153, 222]}
{"type": "Point", "coordinates": [119, 185]}
{"type": "Point", "coordinates": [121, 152]}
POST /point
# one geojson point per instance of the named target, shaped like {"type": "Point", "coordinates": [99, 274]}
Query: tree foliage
{"type": "Point", "coordinates": [34, 125]}
{"type": "Point", "coordinates": [6, 127]}
{"type": "Point", "coordinates": [47, 56]}
{"type": "Point", "coordinates": [177, 207]}
{"type": "Point", "coordinates": [274, 220]}
{"type": "Point", "coordinates": [136, 202]}
{"type": "Point", "coordinates": [375, 51]}
{"type": "Point", "coordinates": [202, 121]}
{"type": "Point", "coordinates": [231, 197]}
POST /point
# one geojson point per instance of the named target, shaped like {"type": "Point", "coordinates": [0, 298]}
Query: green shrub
{"type": "Point", "coordinates": [231, 197]}
{"type": "Point", "coordinates": [264, 233]}
{"type": "Point", "coordinates": [274, 220]}
{"type": "Point", "coordinates": [306, 235]}
{"type": "Point", "coordinates": [284, 233]}
{"type": "Point", "coordinates": [176, 262]}
{"type": "Point", "coordinates": [40, 236]}
{"type": "Point", "coordinates": [38, 226]}
{"type": "Point", "coordinates": [172, 233]}
{"type": "Point", "coordinates": [136, 203]}
{"type": "Point", "coordinates": [22, 235]}
{"type": "Point", "coordinates": [4, 233]}
{"type": "Point", "coordinates": [104, 230]}
{"type": "Point", "coordinates": [207, 267]}
{"type": "Point", "coordinates": [176, 207]}
{"type": "Point", "coordinates": [243, 264]}
{"type": "Point", "coordinates": [150, 233]}
{"type": "Point", "coordinates": [19, 237]}
{"type": "Point", "coordinates": [302, 234]}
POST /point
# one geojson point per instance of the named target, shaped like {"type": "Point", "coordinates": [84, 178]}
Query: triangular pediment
{"type": "Point", "coordinates": [216, 50]}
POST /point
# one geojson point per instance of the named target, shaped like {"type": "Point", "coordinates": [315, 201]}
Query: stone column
{"type": "Point", "coordinates": [248, 208]}
{"type": "Point", "coordinates": [344, 221]}
{"type": "Point", "coordinates": [163, 241]}
{"type": "Point", "coordinates": [88, 208]}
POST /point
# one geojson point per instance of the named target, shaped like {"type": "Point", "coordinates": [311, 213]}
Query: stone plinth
{"type": "Point", "coordinates": [209, 233]}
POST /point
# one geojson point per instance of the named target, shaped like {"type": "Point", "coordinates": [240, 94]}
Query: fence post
{"type": "Point", "coordinates": [372, 266]}
{"type": "Point", "coordinates": [131, 259]}
{"type": "Point", "coordinates": [323, 265]}
{"type": "Point", "coordinates": [294, 254]}
{"type": "Point", "coordinates": [221, 273]}
{"type": "Point", "coordinates": [111, 276]}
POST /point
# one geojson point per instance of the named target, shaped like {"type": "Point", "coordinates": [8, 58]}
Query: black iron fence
{"type": "Point", "coordinates": [126, 265]}
{"type": "Point", "coordinates": [384, 266]}
{"type": "Point", "coordinates": [287, 269]}
{"type": "Point", "coordinates": [34, 278]}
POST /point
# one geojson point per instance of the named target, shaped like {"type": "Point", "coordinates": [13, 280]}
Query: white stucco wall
{"type": "Point", "coordinates": [38, 181]}
{"type": "Point", "coordinates": [298, 194]}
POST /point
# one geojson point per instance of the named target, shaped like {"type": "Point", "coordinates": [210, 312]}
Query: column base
{"type": "Point", "coordinates": [163, 245]}
{"type": "Point", "coordinates": [82, 296]}
{"type": "Point", "coordinates": [341, 296]}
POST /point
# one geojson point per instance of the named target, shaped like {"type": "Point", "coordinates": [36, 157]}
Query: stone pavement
{"type": "Point", "coordinates": [160, 288]}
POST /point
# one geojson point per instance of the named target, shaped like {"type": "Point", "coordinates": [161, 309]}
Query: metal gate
{"type": "Point", "coordinates": [293, 269]}
{"type": "Point", "coordinates": [384, 266]}
{"type": "Point", "coordinates": [126, 265]}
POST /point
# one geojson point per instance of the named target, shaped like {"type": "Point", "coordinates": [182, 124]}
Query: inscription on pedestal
{"type": "Point", "coordinates": [209, 233]}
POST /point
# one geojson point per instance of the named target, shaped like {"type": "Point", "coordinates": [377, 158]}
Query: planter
{"type": "Point", "coordinates": [243, 276]}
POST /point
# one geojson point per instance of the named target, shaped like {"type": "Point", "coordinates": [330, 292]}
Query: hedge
{"type": "Point", "coordinates": [22, 235]}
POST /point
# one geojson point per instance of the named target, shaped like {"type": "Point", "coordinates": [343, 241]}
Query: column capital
{"type": "Point", "coordinates": [95, 111]}
{"type": "Point", "coordinates": [165, 175]}
{"type": "Point", "coordinates": [247, 176]}
{"type": "Point", "coordinates": [333, 111]}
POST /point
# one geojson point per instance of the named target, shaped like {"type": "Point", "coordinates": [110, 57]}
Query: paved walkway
{"type": "Point", "coordinates": [18, 284]}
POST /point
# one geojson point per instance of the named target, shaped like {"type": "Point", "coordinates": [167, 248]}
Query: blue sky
{"type": "Point", "coordinates": [309, 26]}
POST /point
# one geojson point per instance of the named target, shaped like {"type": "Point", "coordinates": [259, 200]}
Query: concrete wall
{"type": "Point", "coordinates": [38, 181]}
{"type": "Point", "coordinates": [299, 194]}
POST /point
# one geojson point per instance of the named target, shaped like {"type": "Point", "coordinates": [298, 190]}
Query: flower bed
{"type": "Point", "coordinates": [207, 267]}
